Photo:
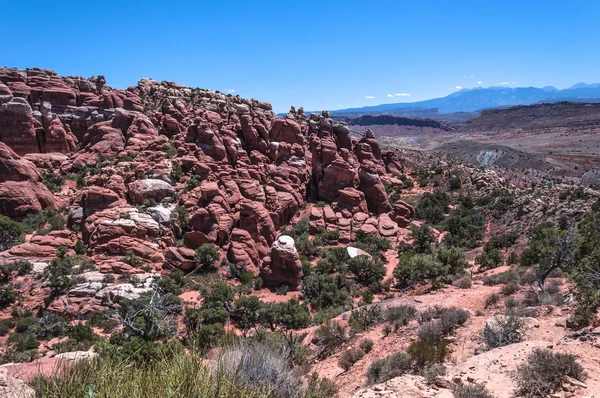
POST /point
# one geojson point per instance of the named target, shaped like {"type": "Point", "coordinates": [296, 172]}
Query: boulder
{"type": "Point", "coordinates": [13, 388]}
{"type": "Point", "coordinates": [283, 267]}
{"type": "Point", "coordinates": [149, 189]}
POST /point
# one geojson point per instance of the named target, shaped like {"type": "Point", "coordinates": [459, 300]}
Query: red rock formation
{"type": "Point", "coordinates": [21, 190]}
{"type": "Point", "coordinates": [283, 267]}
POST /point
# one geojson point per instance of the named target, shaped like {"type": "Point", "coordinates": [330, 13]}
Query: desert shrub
{"type": "Point", "coordinates": [454, 183]}
{"type": "Point", "coordinates": [549, 249]}
{"type": "Point", "coordinates": [489, 259]}
{"type": "Point", "coordinates": [206, 256]}
{"type": "Point", "coordinates": [418, 268]}
{"type": "Point", "coordinates": [501, 241]}
{"type": "Point", "coordinates": [428, 352]}
{"type": "Point", "coordinates": [350, 357]}
{"type": "Point", "coordinates": [471, 391]}
{"type": "Point", "coordinates": [366, 271]}
{"type": "Point", "coordinates": [323, 291]}
{"type": "Point", "coordinates": [364, 318]}
{"type": "Point", "coordinates": [309, 248]}
{"type": "Point", "coordinates": [81, 338]}
{"type": "Point", "coordinates": [21, 342]}
{"type": "Point", "coordinates": [422, 237]}
{"type": "Point", "coordinates": [433, 372]}
{"type": "Point", "coordinates": [300, 228]}
{"type": "Point", "coordinates": [453, 317]}
{"type": "Point", "coordinates": [501, 278]}
{"type": "Point", "coordinates": [131, 259]}
{"type": "Point", "coordinates": [53, 181]}
{"type": "Point", "coordinates": [329, 336]}
{"type": "Point", "coordinates": [463, 282]}
{"type": "Point", "coordinates": [490, 300]}
{"type": "Point", "coordinates": [373, 245]}
{"type": "Point", "coordinates": [329, 237]}
{"type": "Point", "coordinates": [8, 296]}
{"type": "Point", "coordinates": [510, 288]}
{"type": "Point", "coordinates": [245, 312]}
{"type": "Point", "coordinates": [333, 261]}
{"type": "Point", "coordinates": [208, 336]}
{"type": "Point", "coordinates": [58, 275]}
{"type": "Point", "coordinates": [182, 217]}
{"type": "Point", "coordinates": [432, 207]}
{"type": "Point", "coordinates": [101, 319]}
{"type": "Point", "coordinates": [465, 227]}
{"type": "Point", "coordinates": [400, 314]}
{"type": "Point", "coordinates": [152, 316]}
{"type": "Point", "coordinates": [287, 315]}
{"type": "Point", "coordinates": [326, 314]}
{"type": "Point", "coordinates": [389, 367]}
{"type": "Point", "coordinates": [534, 299]}
{"type": "Point", "coordinates": [366, 345]}
{"type": "Point", "coordinates": [503, 330]}
{"type": "Point", "coordinates": [10, 232]}
{"type": "Point", "coordinates": [544, 371]}
{"type": "Point", "coordinates": [193, 182]}
{"type": "Point", "coordinates": [511, 303]}
{"type": "Point", "coordinates": [498, 201]}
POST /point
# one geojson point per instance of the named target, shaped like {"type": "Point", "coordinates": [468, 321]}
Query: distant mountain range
{"type": "Point", "coordinates": [476, 99]}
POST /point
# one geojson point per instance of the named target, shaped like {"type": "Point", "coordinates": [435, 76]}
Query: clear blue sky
{"type": "Point", "coordinates": [317, 54]}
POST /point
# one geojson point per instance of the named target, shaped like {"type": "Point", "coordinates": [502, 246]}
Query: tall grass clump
{"type": "Point", "coordinates": [242, 370]}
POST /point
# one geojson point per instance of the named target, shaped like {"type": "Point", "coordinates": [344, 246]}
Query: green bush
{"type": "Point", "coordinates": [53, 181]}
{"type": "Point", "coordinates": [366, 271]}
{"type": "Point", "coordinates": [350, 357]}
{"type": "Point", "coordinates": [207, 256]}
{"type": "Point", "coordinates": [364, 318]}
{"type": "Point", "coordinates": [428, 352]}
{"type": "Point", "coordinates": [465, 227]}
{"type": "Point", "coordinates": [244, 313]}
{"type": "Point", "coordinates": [389, 367]}
{"type": "Point", "coordinates": [488, 259]}
{"type": "Point", "coordinates": [419, 268]}
{"type": "Point", "coordinates": [323, 291]}
{"type": "Point", "coordinates": [21, 342]}
{"type": "Point", "coordinates": [7, 296]}
{"type": "Point", "coordinates": [373, 245]}
{"type": "Point", "coordinates": [454, 183]}
{"type": "Point", "coordinates": [422, 237]}
{"type": "Point", "coordinates": [366, 345]}
{"type": "Point", "coordinates": [400, 314]}
{"type": "Point", "coordinates": [11, 232]}
{"type": "Point", "coordinates": [544, 372]}
{"type": "Point", "coordinates": [471, 391]}
{"type": "Point", "coordinates": [505, 330]}
{"type": "Point", "coordinates": [432, 207]}
{"type": "Point", "coordinates": [329, 336]}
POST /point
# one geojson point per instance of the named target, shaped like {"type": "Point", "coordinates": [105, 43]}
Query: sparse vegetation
{"type": "Point", "coordinates": [544, 372]}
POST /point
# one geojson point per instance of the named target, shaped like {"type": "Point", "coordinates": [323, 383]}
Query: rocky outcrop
{"type": "Point", "coordinates": [225, 171]}
{"type": "Point", "coordinates": [283, 266]}
{"type": "Point", "coordinates": [21, 190]}
{"type": "Point", "coordinates": [13, 388]}
{"type": "Point", "coordinates": [149, 189]}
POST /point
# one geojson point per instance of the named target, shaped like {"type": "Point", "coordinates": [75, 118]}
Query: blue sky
{"type": "Point", "coordinates": [317, 54]}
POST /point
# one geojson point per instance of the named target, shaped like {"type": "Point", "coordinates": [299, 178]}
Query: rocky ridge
{"type": "Point", "coordinates": [162, 169]}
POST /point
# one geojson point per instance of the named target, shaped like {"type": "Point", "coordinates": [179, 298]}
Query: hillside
{"type": "Point", "coordinates": [572, 116]}
{"type": "Point", "coordinates": [392, 126]}
{"type": "Point", "coordinates": [164, 240]}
